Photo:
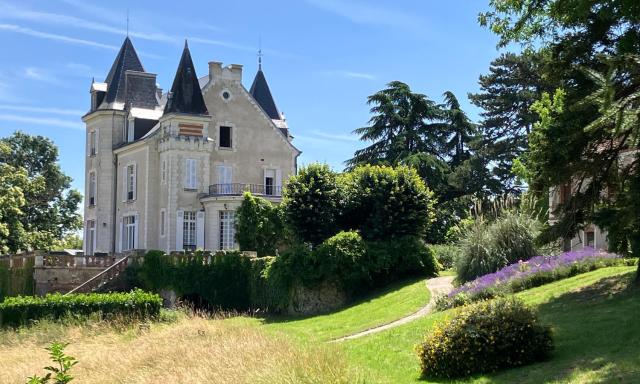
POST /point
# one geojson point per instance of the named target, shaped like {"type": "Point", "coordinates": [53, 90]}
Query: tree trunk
{"type": "Point", "coordinates": [637, 280]}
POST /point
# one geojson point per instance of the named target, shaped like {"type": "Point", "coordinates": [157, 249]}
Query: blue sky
{"type": "Point", "coordinates": [322, 58]}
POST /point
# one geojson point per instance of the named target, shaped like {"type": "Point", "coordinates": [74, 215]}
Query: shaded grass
{"type": "Point", "coordinates": [382, 307]}
{"type": "Point", "coordinates": [597, 337]}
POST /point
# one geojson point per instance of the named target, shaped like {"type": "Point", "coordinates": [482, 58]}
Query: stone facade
{"type": "Point", "coordinates": [170, 175]}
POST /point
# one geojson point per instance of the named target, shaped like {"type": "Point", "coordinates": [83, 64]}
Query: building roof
{"type": "Point", "coordinates": [185, 95]}
{"type": "Point", "coordinates": [127, 60]}
{"type": "Point", "coordinates": [261, 93]}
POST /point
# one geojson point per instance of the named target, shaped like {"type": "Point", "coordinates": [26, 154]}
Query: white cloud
{"type": "Point", "coordinates": [40, 74]}
{"type": "Point", "coordinates": [42, 121]}
{"type": "Point", "coordinates": [349, 74]}
{"type": "Point", "coordinates": [336, 136]}
{"type": "Point", "coordinates": [49, 110]}
{"type": "Point", "coordinates": [369, 13]}
{"type": "Point", "coordinates": [11, 12]}
{"type": "Point", "coordinates": [55, 37]}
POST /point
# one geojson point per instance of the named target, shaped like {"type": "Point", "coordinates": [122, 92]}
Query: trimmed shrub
{"type": "Point", "coordinates": [485, 337]}
{"type": "Point", "coordinates": [343, 258]}
{"type": "Point", "coordinates": [488, 247]}
{"type": "Point", "coordinates": [312, 203]}
{"type": "Point", "coordinates": [446, 254]}
{"type": "Point", "coordinates": [19, 310]}
{"type": "Point", "coordinates": [384, 202]}
{"type": "Point", "coordinates": [259, 225]}
{"type": "Point", "coordinates": [394, 259]}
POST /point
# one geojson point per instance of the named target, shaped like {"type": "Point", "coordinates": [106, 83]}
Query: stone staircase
{"type": "Point", "coordinates": [103, 278]}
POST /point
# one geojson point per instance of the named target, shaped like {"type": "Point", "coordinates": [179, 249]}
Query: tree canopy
{"type": "Point", "coordinates": [38, 206]}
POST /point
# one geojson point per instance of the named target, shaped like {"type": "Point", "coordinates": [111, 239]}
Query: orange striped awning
{"type": "Point", "coordinates": [190, 129]}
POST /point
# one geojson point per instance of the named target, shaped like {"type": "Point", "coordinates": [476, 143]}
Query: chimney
{"type": "Point", "coordinates": [215, 70]}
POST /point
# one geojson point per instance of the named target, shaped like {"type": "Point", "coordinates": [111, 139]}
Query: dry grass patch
{"type": "Point", "coordinates": [190, 350]}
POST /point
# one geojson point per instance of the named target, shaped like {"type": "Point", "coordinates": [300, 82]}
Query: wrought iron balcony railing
{"type": "Point", "coordinates": [236, 189]}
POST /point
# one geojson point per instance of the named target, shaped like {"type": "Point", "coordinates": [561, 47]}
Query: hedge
{"type": "Point", "coordinates": [20, 310]}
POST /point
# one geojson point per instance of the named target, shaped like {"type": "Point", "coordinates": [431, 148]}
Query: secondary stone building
{"type": "Point", "coordinates": [167, 170]}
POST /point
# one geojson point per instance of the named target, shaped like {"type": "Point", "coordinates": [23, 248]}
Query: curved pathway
{"type": "Point", "coordinates": [436, 286]}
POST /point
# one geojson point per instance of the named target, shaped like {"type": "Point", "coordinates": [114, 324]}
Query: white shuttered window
{"type": "Point", "coordinates": [190, 174]}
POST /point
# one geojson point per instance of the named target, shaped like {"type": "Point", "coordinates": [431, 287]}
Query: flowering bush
{"type": "Point", "coordinates": [485, 337]}
{"type": "Point", "coordinates": [528, 274]}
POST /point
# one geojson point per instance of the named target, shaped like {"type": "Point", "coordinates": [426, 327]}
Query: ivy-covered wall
{"type": "Point", "coordinates": [16, 280]}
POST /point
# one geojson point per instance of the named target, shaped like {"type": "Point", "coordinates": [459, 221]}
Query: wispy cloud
{"type": "Point", "coordinates": [349, 74]}
{"type": "Point", "coordinates": [11, 12]}
{"type": "Point", "coordinates": [42, 121]}
{"type": "Point", "coordinates": [79, 69]}
{"type": "Point", "coordinates": [40, 74]}
{"type": "Point", "coordinates": [55, 37]}
{"type": "Point", "coordinates": [48, 110]}
{"type": "Point", "coordinates": [369, 13]}
{"type": "Point", "coordinates": [336, 136]}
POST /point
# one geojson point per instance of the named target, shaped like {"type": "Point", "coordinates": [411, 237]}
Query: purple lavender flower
{"type": "Point", "coordinates": [538, 264]}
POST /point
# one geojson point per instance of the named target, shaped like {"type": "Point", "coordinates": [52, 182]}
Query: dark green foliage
{"type": "Point", "coordinates": [20, 310]}
{"type": "Point", "coordinates": [487, 247]}
{"type": "Point", "coordinates": [357, 265]}
{"type": "Point", "coordinates": [57, 374]}
{"type": "Point", "coordinates": [312, 203]}
{"type": "Point", "coordinates": [506, 94]}
{"type": "Point", "coordinates": [445, 254]}
{"type": "Point", "coordinates": [218, 281]}
{"type": "Point", "coordinates": [485, 337]}
{"type": "Point", "coordinates": [18, 280]}
{"type": "Point", "coordinates": [343, 258]}
{"type": "Point", "coordinates": [259, 225]}
{"type": "Point", "coordinates": [407, 128]}
{"type": "Point", "coordinates": [393, 259]}
{"type": "Point", "coordinates": [51, 209]}
{"type": "Point", "coordinates": [385, 203]}
{"type": "Point", "coordinates": [269, 290]}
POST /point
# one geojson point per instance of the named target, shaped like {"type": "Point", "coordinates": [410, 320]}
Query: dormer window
{"type": "Point", "coordinates": [225, 137]}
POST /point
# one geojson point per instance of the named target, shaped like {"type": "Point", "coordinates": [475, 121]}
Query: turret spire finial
{"type": "Point", "coordinates": [127, 22]}
{"type": "Point", "coordinates": [260, 54]}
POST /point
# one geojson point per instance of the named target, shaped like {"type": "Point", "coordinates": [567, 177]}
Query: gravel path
{"type": "Point", "coordinates": [437, 286]}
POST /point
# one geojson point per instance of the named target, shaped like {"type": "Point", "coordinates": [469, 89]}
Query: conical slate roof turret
{"type": "Point", "coordinates": [127, 60]}
{"type": "Point", "coordinates": [261, 93]}
{"type": "Point", "coordinates": [185, 95]}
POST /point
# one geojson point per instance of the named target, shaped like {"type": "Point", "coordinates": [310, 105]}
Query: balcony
{"type": "Point", "coordinates": [237, 189]}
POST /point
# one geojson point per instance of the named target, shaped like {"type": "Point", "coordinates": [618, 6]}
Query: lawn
{"type": "Point", "coordinates": [381, 307]}
{"type": "Point", "coordinates": [596, 333]}
{"type": "Point", "coordinates": [594, 316]}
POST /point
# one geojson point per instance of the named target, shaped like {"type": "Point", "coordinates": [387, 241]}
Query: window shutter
{"type": "Point", "coordinates": [220, 171]}
{"type": "Point", "coordinates": [124, 184]}
{"type": "Point", "coordinates": [135, 182]}
{"type": "Point", "coordinates": [200, 230]}
{"type": "Point", "coordinates": [136, 245]}
{"type": "Point", "coordinates": [278, 182]}
{"type": "Point", "coordinates": [95, 236]}
{"type": "Point", "coordinates": [121, 238]}
{"type": "Point", "coordinates": [187, 170]}
{"type": "Point", "coordinates": [179, 229]}
{"type": "Point", "coordinates": [193, 182]}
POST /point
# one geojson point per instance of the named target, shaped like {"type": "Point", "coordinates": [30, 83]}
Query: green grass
{"type": "Point", "coordinates": [595, 320]}
{"type": "Point", "coordinates": [382, 307]}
